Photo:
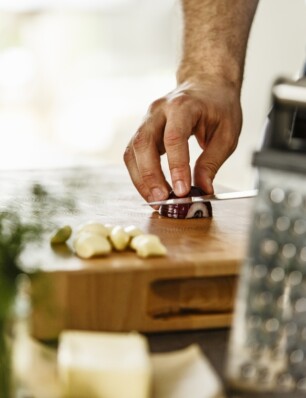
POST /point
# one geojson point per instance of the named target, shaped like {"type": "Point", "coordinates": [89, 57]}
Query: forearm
{"type": "Point", "coordinates": [215, 39]}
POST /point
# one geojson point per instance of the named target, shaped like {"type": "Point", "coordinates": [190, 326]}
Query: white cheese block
{"type": "Point", "coordinates": [104, 365]}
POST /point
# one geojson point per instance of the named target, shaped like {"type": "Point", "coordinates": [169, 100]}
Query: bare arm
{"type": "Point", "coordinates": [215, 39]}
{"type": "Point", "coordinates": [205, 103]}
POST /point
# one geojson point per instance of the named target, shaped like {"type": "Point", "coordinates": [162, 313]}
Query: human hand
{"type": "Point", "coordinates": [209, 110]}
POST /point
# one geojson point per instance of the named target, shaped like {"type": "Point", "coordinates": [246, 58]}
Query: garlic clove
{"type": "Point", "coordinates": [87, 245]}
{"type": "Point", "coordinates": [109, 228]}
{"type": "Point", "coordinates": [133, 231]}
{"type": "Point", "coordinates": [150, 248]}
{"type": "Point", "coordinates": [61, 235]}
{"type": "Point", "coordinates": [119, 238]}
{"type": "Point", "coordinates": [94, 227]}
{"type": "Point", "coordinates": [136, 241]}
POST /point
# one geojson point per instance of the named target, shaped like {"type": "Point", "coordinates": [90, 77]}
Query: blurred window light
{"type": "Point", "coordinates": [96, 115]}
{"type": "Point", "coordinates": [76, 83]}
{"type": "Point", "coordinates": [17, 73]}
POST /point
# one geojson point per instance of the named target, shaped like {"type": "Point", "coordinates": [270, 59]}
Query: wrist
{"type": "Point", "coordinates": [230, 75]}
{"type": "Point", "coordinates": [199, 79]}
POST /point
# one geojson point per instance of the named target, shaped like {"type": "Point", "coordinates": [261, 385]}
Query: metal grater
{"type": "Point", "coordinates": [267, 349]}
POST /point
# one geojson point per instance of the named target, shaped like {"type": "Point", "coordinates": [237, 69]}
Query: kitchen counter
{"type": "Point", "coordinates": [193, 287]}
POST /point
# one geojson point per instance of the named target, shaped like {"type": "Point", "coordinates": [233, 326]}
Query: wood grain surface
{"type": "Point", "coordinates": [192, 287]}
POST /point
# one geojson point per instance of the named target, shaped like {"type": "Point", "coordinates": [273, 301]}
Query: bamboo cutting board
{"type": "Point", "coordinates": [192, 287]}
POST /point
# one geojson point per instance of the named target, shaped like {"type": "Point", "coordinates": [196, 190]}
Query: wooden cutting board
{"type": "Point", "coordinates": [192, 287]}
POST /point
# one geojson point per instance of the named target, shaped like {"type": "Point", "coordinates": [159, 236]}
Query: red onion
{"type": "Point", "coordinates": [187, 210]}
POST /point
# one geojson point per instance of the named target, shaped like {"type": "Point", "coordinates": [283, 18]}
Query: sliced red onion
{"type": "Point", "coordinates": [187, 210]}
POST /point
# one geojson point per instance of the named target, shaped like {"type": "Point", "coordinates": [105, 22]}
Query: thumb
{"type": "Point", "coordinates": [211, 159]}
{"type": "Point", "coordinates": [204, 173]}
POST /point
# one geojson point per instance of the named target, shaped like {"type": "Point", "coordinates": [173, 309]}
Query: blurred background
{"type": "Point", "coordinates": [77, 76]}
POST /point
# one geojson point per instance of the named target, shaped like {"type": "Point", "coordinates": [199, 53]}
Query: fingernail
{"type": "Point", "coordinates": [158, 194]}
{"type": "Point", "coordinates": [180, 188]}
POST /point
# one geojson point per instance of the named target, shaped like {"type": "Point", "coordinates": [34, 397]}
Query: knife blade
{"type": "Point", "coordinates": [206, 198]}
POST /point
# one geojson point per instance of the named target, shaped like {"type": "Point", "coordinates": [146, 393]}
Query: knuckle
{"type": "Point", "coordinates": [156, 105]}
{"type": "Point", "coordinates": [178, 100]}
{"type": "Point", "coordinates": [128, 155]}
{"type": "Point", "coordinates": [233, 146]}
{"type": "Point", "coordinates": [148, 178]}
{"type": "Point", "coordinates": [139, 140]}
{"type": "Point", "coordinates": [212, 167]}
{"type": "Point", "coordinates": [230, 140]}
{"type": "Point", "coordinates": [142, 188]}
{"type": "Point", "coordinates": [177, 170]}
{"type": "Point", "coordinates": [173, 138]}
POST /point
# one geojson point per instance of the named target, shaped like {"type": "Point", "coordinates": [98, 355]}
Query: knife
{"type": "Point", "coordinates": [206, 198]}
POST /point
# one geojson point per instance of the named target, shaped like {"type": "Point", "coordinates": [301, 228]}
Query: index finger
{"type": "Point", "coordinates": [147, 148]}
{"type": "Point", "coordinates": [178, 129]}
